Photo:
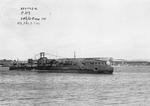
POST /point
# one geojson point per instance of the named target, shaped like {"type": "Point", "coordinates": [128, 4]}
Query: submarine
{"type": "Point", "coordinates": [65, 65]}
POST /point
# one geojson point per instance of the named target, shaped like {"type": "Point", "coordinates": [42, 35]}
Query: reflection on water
{"type": "Point", "coordinates": [61, 89]}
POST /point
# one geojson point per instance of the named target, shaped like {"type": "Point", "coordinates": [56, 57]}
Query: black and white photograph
{"type": "Point", "coordinates": [74, 52]}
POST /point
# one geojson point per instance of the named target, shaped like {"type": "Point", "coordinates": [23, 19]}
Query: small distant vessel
{"type": "Point", "coordinates": [66, 65]}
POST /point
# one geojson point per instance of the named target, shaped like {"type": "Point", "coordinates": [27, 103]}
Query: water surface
{"type": "Point", "coordinates": [128, 86]}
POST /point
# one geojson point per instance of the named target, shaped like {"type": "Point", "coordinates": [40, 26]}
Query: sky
{"type": "Point", "coordinates": [91, 28]}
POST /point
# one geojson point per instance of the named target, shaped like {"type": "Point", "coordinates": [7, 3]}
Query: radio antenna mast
{"type": "Point", "coordinates": [74, 55]}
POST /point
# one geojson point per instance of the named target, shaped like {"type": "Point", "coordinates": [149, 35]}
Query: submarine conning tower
{"type": "Point", "coordinates": [42, 54]}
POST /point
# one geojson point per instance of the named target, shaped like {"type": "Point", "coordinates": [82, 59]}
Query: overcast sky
{"type": "Point", "coordinates": [92, 28]}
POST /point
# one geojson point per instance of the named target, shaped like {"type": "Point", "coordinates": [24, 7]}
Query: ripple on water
{"type": "Point", "coordinates": [55, 89]}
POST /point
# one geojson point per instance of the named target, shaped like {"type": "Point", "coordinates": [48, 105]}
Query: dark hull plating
{"type": "Point", "coordinates": [63, 70]}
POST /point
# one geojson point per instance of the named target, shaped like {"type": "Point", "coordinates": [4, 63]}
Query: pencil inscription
{"type": "Point", "coordinates": [30, 16]}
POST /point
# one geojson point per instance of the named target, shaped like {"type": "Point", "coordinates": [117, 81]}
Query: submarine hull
{"type": "Point", "coordinates": [65, 65]}
{"type": "Point", "coordinates": [65, 69]}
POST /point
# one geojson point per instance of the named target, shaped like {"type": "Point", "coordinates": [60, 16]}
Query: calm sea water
{"type": "Point", "coordinates": [128, 86]}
